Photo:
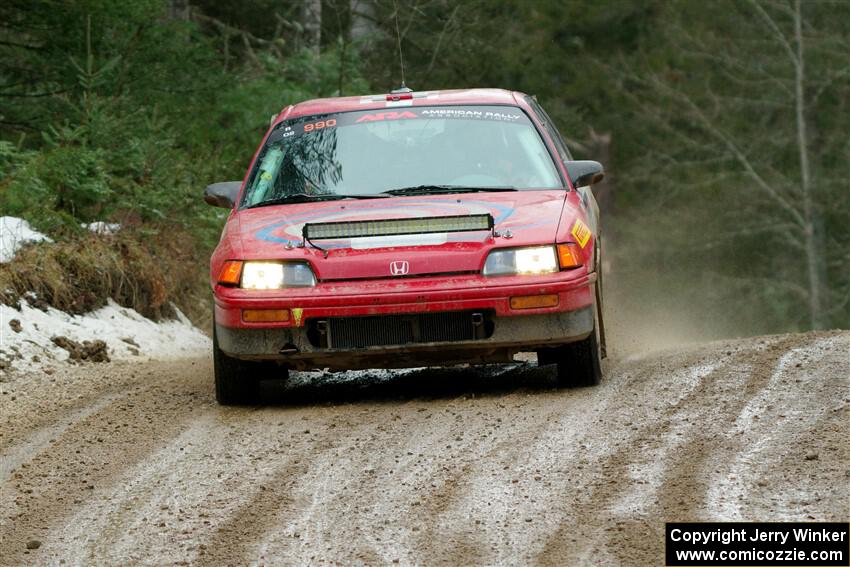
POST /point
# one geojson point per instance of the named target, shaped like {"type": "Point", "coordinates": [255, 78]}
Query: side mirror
{"type": "Point", "coordinates": [222, 194]}
{"type": "Point", "coordinates": [585, 172]}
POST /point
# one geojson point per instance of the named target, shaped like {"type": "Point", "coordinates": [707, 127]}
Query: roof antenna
{"type": "Point", "coordinates": [404, 88]}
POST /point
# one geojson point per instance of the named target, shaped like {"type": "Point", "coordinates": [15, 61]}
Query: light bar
{"type": "Point", "coordinates": [393, 227]}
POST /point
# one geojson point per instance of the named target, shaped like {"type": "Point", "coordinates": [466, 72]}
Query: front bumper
{"type": "Point", "coordinates": [512, 330]}
{"type": "Point", "coordinates": [510, 335]}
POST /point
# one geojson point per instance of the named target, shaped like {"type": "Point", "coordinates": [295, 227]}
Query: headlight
{"type": "Point", "coordinates": [276, 275]}
{"type": "Point", "coordinates": [537, 260]}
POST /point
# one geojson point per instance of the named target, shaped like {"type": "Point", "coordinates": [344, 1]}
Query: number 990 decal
{"type": "Point", "coordinates": [329, 123]}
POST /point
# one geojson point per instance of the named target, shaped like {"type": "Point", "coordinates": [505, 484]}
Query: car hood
{"type": "Point", "coordinates": [522, 218]}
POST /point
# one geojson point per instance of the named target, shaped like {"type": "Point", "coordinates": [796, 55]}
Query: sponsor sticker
{"type": "Point", "coordinates": [325, 124]}
{"type": "Point", "coordinates": [379, 116]}
{"type": "Point", "coordinates": [581, 233]}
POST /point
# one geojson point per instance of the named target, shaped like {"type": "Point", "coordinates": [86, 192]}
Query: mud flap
{"type": "Point", "coordinates": [603, 347]}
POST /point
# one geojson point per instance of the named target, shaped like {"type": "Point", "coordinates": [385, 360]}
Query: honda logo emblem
{"type": "Point", "coordinates": [399, 268]}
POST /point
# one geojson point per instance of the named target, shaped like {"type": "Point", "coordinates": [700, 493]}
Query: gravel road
{"type": "Point", "coordinates": [134, 464]}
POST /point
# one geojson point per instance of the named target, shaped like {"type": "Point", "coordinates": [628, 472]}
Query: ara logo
{"type": "Point", "coordinates": [399, 268]}
{"type": "Point", "coordinates": [386, 116]}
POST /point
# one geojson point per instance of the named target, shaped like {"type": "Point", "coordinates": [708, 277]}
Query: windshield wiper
{"type": "Point", "coordinates": [306, 198]}
{"type": "Point", "coordinates": [443, 189]}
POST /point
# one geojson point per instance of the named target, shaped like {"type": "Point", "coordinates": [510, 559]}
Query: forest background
{"type": "Point", "coordinates": [723, 127]}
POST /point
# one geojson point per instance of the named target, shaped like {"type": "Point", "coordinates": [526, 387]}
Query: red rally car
{"type": "Point", "coordinates": [407, 229]}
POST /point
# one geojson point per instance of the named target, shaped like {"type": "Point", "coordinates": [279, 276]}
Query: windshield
{"type": "Point", "coordinates": [419, 148]}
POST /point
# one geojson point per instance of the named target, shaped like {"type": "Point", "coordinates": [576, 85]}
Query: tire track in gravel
{"type": "Point", "coordinates": [578, 537]}
{"type": "Point", "coordinates": [409, 437]}
{"type": "Point", "coordinates": [687, 430]}
{"type": "Point", "coordinates": [234, 538]}
{"type": "Point", "coordinates": [89, 453]}
{"type": "Point", "coordinates": [20, 451]}
{"type": "Point", "coordinates": [504, 490]}
{"type": "Point", "coordinates": [28, 423]}
{"type": "Point", "coordinates": [450, 466]}
{"type": "Point", "coordinates": [326, 521]}
{"type": "Point", "coordinates": [782, 427]}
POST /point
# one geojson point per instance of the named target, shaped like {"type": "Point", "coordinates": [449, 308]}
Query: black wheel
{"type": "Point", "coordinates": [579, 363]}
{"type": "Point", "coordinates": [237, 382]}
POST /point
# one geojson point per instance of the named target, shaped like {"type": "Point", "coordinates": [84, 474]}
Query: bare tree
{"type": "Point", "coordinates": [362, 19]}
{"type": "Point", "coordinates": [313, 24]}
{"type": "Point", "coordinates": [746, 102]}
{"type": "Point", "coordinates": [178, 9]}
{"type": "Point", "coordinates": [814, 256]}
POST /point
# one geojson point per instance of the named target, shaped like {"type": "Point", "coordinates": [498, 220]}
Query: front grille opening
{"type": "Point", "coordinates": [399, 330]}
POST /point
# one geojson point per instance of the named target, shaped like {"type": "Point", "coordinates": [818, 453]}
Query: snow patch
{"type": "Point", "coordinates": [25, 335]}
{"type": "Point", "coordinates": [14, 233]}
{"type": "Point", "coordinates": [100, 227]}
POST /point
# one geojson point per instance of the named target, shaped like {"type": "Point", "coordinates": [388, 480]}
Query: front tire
{"type": "Point", "coordinates": [237, 382]}
{"type": "Point", "coordinates": [580, 363]}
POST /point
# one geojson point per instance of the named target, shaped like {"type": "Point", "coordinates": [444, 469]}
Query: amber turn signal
{"type": "Point", "coordinates": [265, 315]}
{"type": "Point", "coordinates": [569, 255]}
{"type": "Point", "coordinates": [534, 301]}
{"type": "Point", "coordinates": [230, 273]}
